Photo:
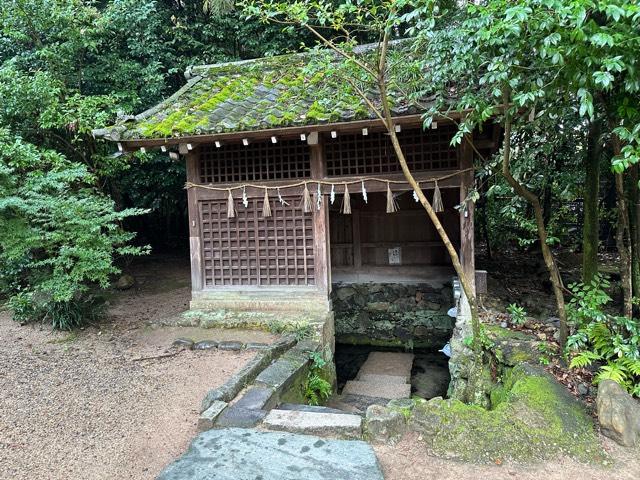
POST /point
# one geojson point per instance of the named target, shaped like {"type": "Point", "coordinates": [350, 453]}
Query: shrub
{"type": "Point", "coordinates": [611, 342]}
{"type": "Point", "coordinates": [58, 236]}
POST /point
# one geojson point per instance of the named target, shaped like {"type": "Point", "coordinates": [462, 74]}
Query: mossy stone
{"type": "Point", "coordinates": [533, 418]}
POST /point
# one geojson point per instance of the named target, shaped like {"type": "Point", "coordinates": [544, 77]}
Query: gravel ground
{"type": "Point", "coordinates": [409, 460]}
{"type": "Point", "coordinates": [77, 406]}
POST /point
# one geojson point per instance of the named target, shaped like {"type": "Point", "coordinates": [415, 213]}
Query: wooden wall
{"type": "Point", "coordinates": [297, 249]}
{"type": "Point", "coordinates": [364, 237]}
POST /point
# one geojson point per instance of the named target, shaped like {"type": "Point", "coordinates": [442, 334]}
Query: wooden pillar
{"type": "Point", "coordinates": [467, 248]}
{"type": "Point", "coordinates": [320, 220]}
{"type": "Point", "coordinates": [195, 246]}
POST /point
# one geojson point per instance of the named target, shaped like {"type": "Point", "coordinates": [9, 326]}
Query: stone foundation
{"type": "Point", "coordinates": [391, 314]}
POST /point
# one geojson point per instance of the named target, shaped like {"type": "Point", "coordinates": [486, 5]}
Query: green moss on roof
{"type": "Point", "coordinates": [250, 95]}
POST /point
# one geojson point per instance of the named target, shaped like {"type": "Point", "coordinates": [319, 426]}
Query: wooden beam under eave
{"type": "Point", "coordinates": [287, 132]}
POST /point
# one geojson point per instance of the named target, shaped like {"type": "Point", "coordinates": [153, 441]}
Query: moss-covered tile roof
{"type": "Point", "coordinates": [250, 95]}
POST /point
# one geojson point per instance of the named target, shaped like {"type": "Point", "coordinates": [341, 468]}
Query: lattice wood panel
{"type": "Point", "coordinates": [373, 154]}
{"type": "Point", "coordinates": [257, 161]}
{"type": "Point", "coordinates": [252, 250]}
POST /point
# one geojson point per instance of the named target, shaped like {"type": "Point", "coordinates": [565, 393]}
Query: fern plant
{"type": "Point", "coordinates": [316, 389]}
{"type": "Point", "coordinates": [611, 342]}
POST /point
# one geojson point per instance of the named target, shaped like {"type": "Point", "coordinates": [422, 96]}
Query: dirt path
{"type": "Point", "coordinates": [76, 406]}
{"type": "Point", "coordinates": [409, 460]}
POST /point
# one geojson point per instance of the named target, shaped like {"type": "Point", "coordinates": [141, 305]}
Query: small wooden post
{"type": "Point", "coordinates": [467, 248]}
{"type": "Point", "coordinates": [195, 247]}
{"type": "Point", "coordinates": [320, 221]}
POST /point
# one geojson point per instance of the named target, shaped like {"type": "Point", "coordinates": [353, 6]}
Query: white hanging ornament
{"type": "Point", "coordinates": [333, 194]}
{"type": "Point", "coordinates": [319, 198]}
{"type": "Point", "coordinates": [415, 196]}
{"type": "Point", "coordinates": [245, 200]}
{"type": "Point", "coordinates": [364, 193]}
{"type": "Point", "coordinates": [281, 200]}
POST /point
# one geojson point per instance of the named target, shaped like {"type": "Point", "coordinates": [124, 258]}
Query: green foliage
{"type": "Point", "coordinates": [300, 330]}
{"type": "Point", "coordinates": [485, 341]}
{"type": "Point", "coordinates": [68, 67]}
{"type": "Point", "coordinates": [58, 235]}
{"type": "Point", "coordinates": [546, 351]}
{"type": "Point", "coordinates": [316, 389]}
{"type": "Point", "coordinates": [611, 342]}
{"type": "Point", "coordinates": [517, 313]}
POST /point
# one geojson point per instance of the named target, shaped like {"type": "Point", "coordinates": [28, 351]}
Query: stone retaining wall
{"type": "Point", "coordinates": [391, 314]}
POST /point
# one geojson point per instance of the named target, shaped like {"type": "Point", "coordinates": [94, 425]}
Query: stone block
{"type": "Point", "coordinates": [239, 454]}
{"type": "Point", "coordinates": [257, 398]}
{"type": "Point", "coordinates": [209, 416]}
{"type": "Point", "coordinates": [237, 382]}
{"type": "Point", "coordinates": [377, 390]}
{"type": "Point", "coordinates": [230, 346]}
{"type": "Point", "coordinates": [618, 414]}
{"type": "Point", "coordinates": [383, 424]}
{"type": "Point", "coordinates": [378, 306]}
{"type": "Point", "coordinates": [280, 374]}
{"type": "Point", "coordinates": [183, 343]}
{"type": "Point", "coordinates": [236, 417]}
{"type": "Point", "coordinates": [310, 408]}
{"type": "Point", "coordinates": [257, 346]}
{"type": "Point", "coordinates": [205, 345]}
{"type": "Point", "coordinates": [373, 378]}
{"type": "Point", "coordinates": [313, 423]}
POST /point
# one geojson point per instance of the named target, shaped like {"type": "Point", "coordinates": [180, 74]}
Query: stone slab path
{"type": "Point", "coordinates": [247, 454]}
{"type": "Point", "coordinates": [383, 375]}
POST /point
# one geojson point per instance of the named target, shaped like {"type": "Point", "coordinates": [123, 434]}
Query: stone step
{"type": "Point", "coordinates": [378, 390]}
{"type": "Point", "coordinates": [336, 425]}
{"type": "Point", "coordinates": [356, 404]}
{"type": "Point", "coordinates": [309, 408]}
{"type": "Point", "coordinates": [373, 378]}
{"type": "Point", "coordinates": [396, 364]}
{"type": "Point", "coordinates": [239, 454]}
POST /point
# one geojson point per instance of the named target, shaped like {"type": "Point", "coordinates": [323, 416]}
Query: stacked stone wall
{"type": "Point", "coordinates": [391, 314]}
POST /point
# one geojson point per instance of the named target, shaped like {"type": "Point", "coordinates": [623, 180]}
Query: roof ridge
{"type": "Point", "coordinates": [199, 70]}
{"type": "Point", "coordinates": [194, 70]}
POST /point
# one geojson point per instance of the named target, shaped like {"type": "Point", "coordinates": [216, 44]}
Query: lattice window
{"type": "Point", "coordinates": [252, 250]}
{"type": "Point", "coordinates": [373, 154]}
{"type": "Point", "coordinates": [257, 161]}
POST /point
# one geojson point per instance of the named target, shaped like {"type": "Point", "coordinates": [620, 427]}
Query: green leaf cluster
{"type": "Point", "coordinates": [58, 234]}
{"type": "Point", "coordinates": [611, 342]}
{"type": "Point", "coordinates": [316, 389]}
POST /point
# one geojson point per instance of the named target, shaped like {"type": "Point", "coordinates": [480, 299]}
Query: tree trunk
{"type": "Point", "coordinates": [623, 240]}
{"type": "Point", "coordinates": [634, 223]}
{"type": "Point", "coordinates": [534, 201]}
{"type": "Point", "coordinates": [591, 225]}
{"type": "Point", "coordinates": [465, 282]}
{"type": "Point", "coordinates": [484, 227]}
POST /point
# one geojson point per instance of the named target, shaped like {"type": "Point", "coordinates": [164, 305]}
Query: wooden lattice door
{"type": "Point", "coordinates": [250, 250]}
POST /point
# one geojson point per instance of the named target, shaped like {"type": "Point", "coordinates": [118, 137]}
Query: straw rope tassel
{"type": "Point", "coordinates": [437, 199]}
{"type": "Point", "coordinates": [392, 205]}
{"type": "Point", "coordinates": [231, 209]}
{"type": "Point", "coordinates": [266, 207]}
{"type": "Point", "coordinates": [306, 199]}
{"type": "Point", "coordinates": [346, 202]}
